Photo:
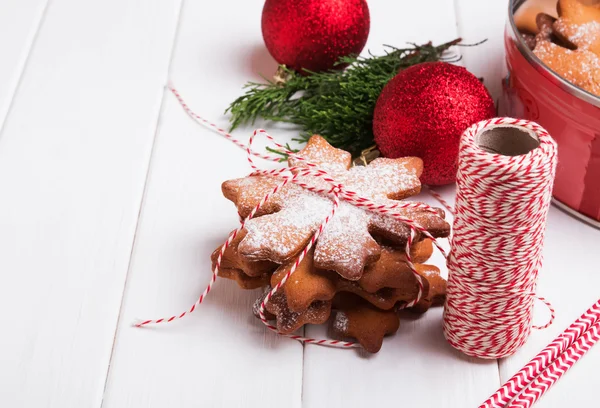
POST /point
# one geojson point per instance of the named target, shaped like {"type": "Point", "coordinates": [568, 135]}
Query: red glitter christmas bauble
{"type": "Point", "coordinates": [314, 34]}
{"type": "Point", "coordinates": [424, 110]}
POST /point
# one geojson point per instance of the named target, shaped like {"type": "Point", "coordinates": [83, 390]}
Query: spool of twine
{"type": "Point", "coordinates": [505, 174]}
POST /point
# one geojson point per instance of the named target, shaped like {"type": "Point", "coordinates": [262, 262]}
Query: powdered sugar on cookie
{"type": "Point", "coordinates": [341, 322]}
{"type": "Point", "coordinates": [581, 35]}
{"type": "Point", "coordinates": [290, 217]}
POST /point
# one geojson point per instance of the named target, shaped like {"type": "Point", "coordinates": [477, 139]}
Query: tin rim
{"type": "Point", "coordinates": [574, 90]}
{"type": "Point", "coordinates": [575, 214]}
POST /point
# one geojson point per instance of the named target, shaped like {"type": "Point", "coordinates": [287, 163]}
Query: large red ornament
{"type": "Point", "coordinates": [314, 34]}
{"type": "Point", "coordinates": [424, 110]}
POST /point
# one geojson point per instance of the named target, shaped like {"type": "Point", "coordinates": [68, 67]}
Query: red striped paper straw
{"type": "Point", "coordinates": [545, 358]}
{"type": "Point", "coordinates": [557, 369]}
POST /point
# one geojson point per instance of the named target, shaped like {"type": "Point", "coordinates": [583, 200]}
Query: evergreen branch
{"type": "Point", "coordinates": [337, 105]}
{"type": "Point", "coordinates": [284, 156]}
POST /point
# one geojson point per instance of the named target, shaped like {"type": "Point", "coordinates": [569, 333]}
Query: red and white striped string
{"type": "Point", "coordinates": [337, 191]}
{"type": "Point", "coordinates": [440, 199]}
{"type": "Point", "coordinates": [499, 225]}
{"type": "Point", "coordinates": [501, 210]}
{"type": "Point", "coordinates": [500, 216]}
{"type": "Point", "coordinates": [524, 388]}
{"type": "Point", "coordinates": [218, 129]}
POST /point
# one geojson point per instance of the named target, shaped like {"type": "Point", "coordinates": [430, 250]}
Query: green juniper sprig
{"type": "Point", "coordinates": [337, 105]}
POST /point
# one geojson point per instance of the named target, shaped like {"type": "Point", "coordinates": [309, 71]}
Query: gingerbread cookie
{"type": "Point", "coordinates": [579, 66]}
{"type": "Point", "coordinates": [436, 288]}
{"type": "Point", "coordinates": [244, 281]}
{"type": "Point", "coordinates": [291, 217]}
{"type": "Point", "coordinates": [567, 41]}
{"type": "Point", "coordinates": [256, 306]}
{"type": "Point", "coordinates": [288, 321]}
{"type": "Point", "coordinates": [232, 259]}
{"type": "Point", "coordinates": [579, 24]}
{"type": "Point", "coordinates": [405, 290]}
{"type": "Point", "coordinates": [360, 320]}
{"type": "Point", "coordinates": [247, 274]}
{"type": "Point", "coordinates": [310, 303]}
{"type": "Point", "coordinates": [526, 14]}
{"type": "Point", "coordinates": [392, 270]}
{"type": "Point", "coordinates": [356, 318]}
{"type": "Point", "coordinates": [358, 262]}
{"type": "Point", "coordinates": [309, 284]}
{"type": "Point", "coordinates": [306, 285]}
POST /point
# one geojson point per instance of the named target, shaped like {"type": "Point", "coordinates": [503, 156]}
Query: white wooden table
{"type": "Point", "coordinates": [110, 206]}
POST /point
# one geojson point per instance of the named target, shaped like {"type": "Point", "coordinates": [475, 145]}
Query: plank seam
{"type": "Point", "coordinates": [143, 197]}
{"type": "Point", "coordinates": [500, 382]}
{"type": "Point", "coordinates": [21, 73]}
{"type": "Point", "coordinates": [456, 8]}
{"type": "Point", "coordinates": [302, 367]}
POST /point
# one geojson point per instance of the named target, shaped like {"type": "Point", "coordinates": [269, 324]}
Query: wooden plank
{"type": "Point", "coordinates": [221, 355]}
{"type": "Point", "coordinates": [183, 220]}
{"type": "Point", "coordinates": [416, 367]}
{"type": "Point", "coordinates": [570, 279]}
{"type": "Point", "coordinates": [19, 24]}
{"type": "Point", "coordinates": [478, 21]}
{"type": "Point", "coordinates": [73, 160]}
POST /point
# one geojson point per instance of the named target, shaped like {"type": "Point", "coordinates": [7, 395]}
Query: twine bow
{"type": "Point", "coordinates": [336, 191]}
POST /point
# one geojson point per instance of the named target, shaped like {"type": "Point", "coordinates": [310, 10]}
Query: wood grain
{"type": "Point", "coordinates": [478, 21]}
{"type": "Point", "coordinates": [73, 158]}
{"type": "Point", "coordinates": [221, 355]}
{"type": "Point", "coordinates": [90, 141]}
{"type": "Point", "coordinates": [184, 218]}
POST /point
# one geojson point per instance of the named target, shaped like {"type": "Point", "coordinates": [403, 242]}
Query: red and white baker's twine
{"type": "Point", "coordinates": [524, 388]}
{"type": "Point", "coordinates": [499, 225]}
{"type": "Point", "coordinates": [336, 191]}
{"type": "Point", "coordinates": [500, 216]}
{"type": "Point", "coordinates": [501, 208]}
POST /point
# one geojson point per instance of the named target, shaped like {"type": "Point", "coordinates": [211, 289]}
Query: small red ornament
{"type": "Point", "coordinates": [314, 34]}
{"type": "Point", "coordinates": [424, 110]}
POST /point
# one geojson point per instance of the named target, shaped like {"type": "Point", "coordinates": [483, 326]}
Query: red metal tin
{"type": "Point", "coordinates": [570, 114]}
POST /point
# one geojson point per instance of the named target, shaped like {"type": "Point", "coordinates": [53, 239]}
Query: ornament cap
{"type": "Point", "coordinates": [367, 156]}
{"type": "Point", "coordinates": [282, 75]}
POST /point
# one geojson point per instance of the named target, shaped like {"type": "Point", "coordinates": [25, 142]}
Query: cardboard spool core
{"type": "Point", "coordinates": [507, 140]}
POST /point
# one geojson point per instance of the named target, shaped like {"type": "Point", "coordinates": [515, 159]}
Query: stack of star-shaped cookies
{"type": "Point", "coordinates": [356, 273]}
